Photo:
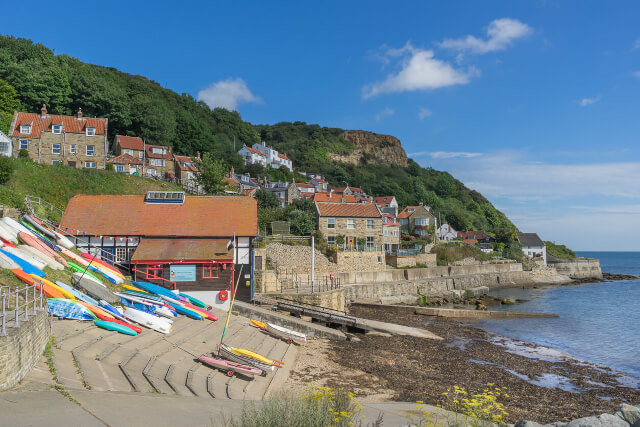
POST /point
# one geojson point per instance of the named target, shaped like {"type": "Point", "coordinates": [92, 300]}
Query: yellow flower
{"type": "Point", "coordinates": [419, 401]}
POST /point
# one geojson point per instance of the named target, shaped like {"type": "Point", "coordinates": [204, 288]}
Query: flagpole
{"type": "Point", "coordinates": [233, 296]}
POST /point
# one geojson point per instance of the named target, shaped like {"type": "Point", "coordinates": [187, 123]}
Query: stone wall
{"type": "Point", "coordinates": [360, 229]}
{"type": "Point", "coordinates": [21, 349]}
{"type": "Point", "coordinates": [581, 268]}
{"type": "Point", "coordinates": [360, 261]}
{"type": "Point", "coordinates": [401, 261]}
{"type": "Point", "coordinates": [426, 259]}
{"type": "Point", "coordinates": [41, 150]}
{"type": "Point", "coordinates": [334, 299]}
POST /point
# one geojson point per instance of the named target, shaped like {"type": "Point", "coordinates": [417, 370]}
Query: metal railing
{"type": "Point", "coordinates": [148, 276]}
{"type": "Point", "coordinates": [18, 304]}
{"type": "Point", "coordinates": [359, 248]}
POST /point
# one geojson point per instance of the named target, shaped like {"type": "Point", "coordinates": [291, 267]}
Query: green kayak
{"type": "Point", "coordinates": [81, 269]}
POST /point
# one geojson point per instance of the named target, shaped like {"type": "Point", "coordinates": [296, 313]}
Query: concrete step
{"type": "Point", "coordinates": [236, 385]}
{"type": "Point", "coordinates": [277, 349]}
{"type": "Point", "coordinates": [68, 329]}
{"type": "Point", "coordinates": [277, 380]}
{"type": "Point", "coordinates": [81, 361]}
{"type": "Point", "coordinates": [66, 370]}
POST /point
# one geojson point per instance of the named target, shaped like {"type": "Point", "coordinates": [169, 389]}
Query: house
{"type": "Point", "coordinates": [349, 191]}
{"type": "Point", "coordinates": [352, 221]}
{"type": "Point", "coordinates": [126, 163]}
{"type": "Point", "coordinates": [416, 220]}
{"type": "Point", "coordinates": [446, 232]}
{"type": "Point", "coordinates": [387, 204]}
{"type": "Point", "coordinates": [304, 187]}
{"type": "Point", "coordinates": [159, 161]}
{"type": "Point", "coordinates": [131, 145]}
{"type": "Point", "coordinates": [281, 190]}
{"type": "Point", "coordinates": [478, 235]}
{"type": "Point", "coordinates": [75, 141]}
{"type": "Point", "coordinates": [533, 246]}
{"type": "Point", "coordinates": [170, 239]}
{"type": "Point", "coordinates": [252, 156]}
{"type": "Point", "coordinates": [390, 233]}
{"type": "Point", "coordinates": [186, 169]}
{"type": "Point", "coordinates": [272, 158]}
{"type": "Point", "coordinates": [320, 184]}
{"type": "Point", "coordinates": [5, 145]}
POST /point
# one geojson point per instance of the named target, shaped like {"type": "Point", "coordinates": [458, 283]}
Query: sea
{"type": "Point", "coordinates": [599, 322]}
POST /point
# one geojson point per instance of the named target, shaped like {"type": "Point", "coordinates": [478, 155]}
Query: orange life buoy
{"type": "Point", "coordinates": [224, 295]}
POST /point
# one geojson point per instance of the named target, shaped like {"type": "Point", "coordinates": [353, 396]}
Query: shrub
{"type": "Point", "coordinates": [6, 169]}
{"type": "Point", "coordinates": [23, 154]}
{"type": "Point", "coordinates": [482, 408]}
{"type": "Point", "coordinates": [109, 167]}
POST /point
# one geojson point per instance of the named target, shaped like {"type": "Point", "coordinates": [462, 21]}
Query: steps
{"type": "Point", "coordinates": [90, 358]}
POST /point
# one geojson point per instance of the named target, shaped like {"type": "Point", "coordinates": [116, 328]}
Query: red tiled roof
{"type": "Point", "coordinates": [353, 189]}
{"type": "Point", "coordinates": [125, 159]}
{"type": "Point", "coordinates": [388, 220]}
{"type": "Point", "coordinates": [69, 124]}
{"type": "Point", "coordinates": [167, 156]}
{"type": "Point", "coordinates": [305, 185]}
{"type": "Point", "coordinates": [182, 249]}
{"type": "Point", "coordinates": [253, 150]}
{"type": "Point", "coordinates": [282, 156]}
{"type": "Point", "coordinates": [351, 210]}
{"type": "Point", "coordinates": [382, 200]}
{"type": "Point", "coordinates": [182, 162]}
{"type": "Point", "coordinates": [320, 181]}
{"type": "Point", "coordinates": [130, 142]}
{"type": "Point", "coordinates": [335, 198]}
{"type": "Point", "coordinates": [406, 214]}
{"type": "Point", "coordinates": [122, 215]}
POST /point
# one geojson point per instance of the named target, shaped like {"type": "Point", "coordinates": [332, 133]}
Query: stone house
{"type": "Point", "coordinates": [320, 184]}
{"type": "Point", "coordinates": [126, 163]}
{"type": "Point", "coordinates": [533, 246]}
{"type": "Point", "coordinates": [159, 161]}
{"type": "Point", "coordinates": [416, 220]}
{"type": "Point", "coordinates": [387, 204]}
{"type": "Point", "coordinates": [75, 141]}
{"type": "Point", "coordinates": [186, 169]}
{"type": "Point", "coordinates": [353, 221]}
{"type": "Point", "coordinates": [132, 145]}
{"type": "Point", "coordinates": [350, 191]}
{"type": "Point", "coordinates": [390, 233]}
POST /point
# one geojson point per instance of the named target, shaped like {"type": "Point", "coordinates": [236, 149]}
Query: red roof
{"type": "Point", "coordinates": [186, 163]}
{"type": "Point", "coordinates": [167, 155]}
{"type": "Point", "coordinates": [282, 156]}
{"type": "Point", "coordinates": [335, 198]}
{"type": "Point", "coordinates": [130, 142]}
{"type": "Point", "coordinates": [129, 215]}
{"type": "Point", "coordinates": [305, 185]}
{"type": "Point", "coordinates": [125, 159]}
{"type": "Point", "coordinates": [389, 220]}
{"type": "Point", "coordinates": [406, 214]}
{"type": "Point", "coordinates": [69, 124]}
{"type": "Point", "coordinates": [478, 235]}
{"type": "Point", "coordinates": [319, 181]}
{"type": "Point", "coordinates": [351, 210]}
{"type": "Point", "coordinates": [253, 150]}
{"type": "Point", "coordinates": [382, 200]}
{"type": "Point", "coordinates": [353, 189]}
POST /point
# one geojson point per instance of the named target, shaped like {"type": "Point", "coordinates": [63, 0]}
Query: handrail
{"type": "Point", "coordinates": [151, 276]}
{"type": "Point", "coordinates": [30, 298]}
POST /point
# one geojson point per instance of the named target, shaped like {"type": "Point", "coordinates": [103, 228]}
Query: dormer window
{"type": "Point", "coordinates": [57, 129]}
{"type": "Point", "coordinates": [411, 210]}
{"type": "Point", "coordinates": [91, 131]}
{"type": "Point", "coordinates": [155, 150]}
{"type": "Point", "coordinates": [25, 129]}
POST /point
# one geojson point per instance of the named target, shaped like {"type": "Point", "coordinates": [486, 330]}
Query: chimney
{"type": "Point", "coordinates": [420, 203]}
{"type": "Point", "coordinates": [43, 111]}
{"type": "Point", "coordinates": [198, 155]}
{"type": "Point", "coordinates": [232, 171]}
{"type": "Point", "coordinates": [79, 113]}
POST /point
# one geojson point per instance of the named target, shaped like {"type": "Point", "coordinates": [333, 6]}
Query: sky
{"type": "Point", "coordinates": [532, 103]}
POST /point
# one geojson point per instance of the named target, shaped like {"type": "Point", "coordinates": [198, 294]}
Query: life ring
{"type": "Point", "coordinates": [224, 295]}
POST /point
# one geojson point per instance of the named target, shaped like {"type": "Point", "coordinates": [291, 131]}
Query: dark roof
{"type": "Point", "coordinates": [182, 250]}
{"type": "Point", "coordinates": [530, 239]}
{"type": "Point", "coordinates": [122, 215]}
{"type": "Point", "coordinates": [475, 234]}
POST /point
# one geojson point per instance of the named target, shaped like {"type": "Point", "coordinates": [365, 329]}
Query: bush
{"type": "Point", "coordinates": [452, 252]}
{"type": "Point", "coordinates": [559, 251]}
{"type": "Point", "coordinates": [109, 167]}
{"type": "Point", "coordinates": [23, 154]}
{"type": "Point", "coordinates": [6, 169]}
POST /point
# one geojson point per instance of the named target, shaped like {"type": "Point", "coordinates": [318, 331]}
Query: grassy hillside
{"type": "Point", "coordinates": [58, 184]}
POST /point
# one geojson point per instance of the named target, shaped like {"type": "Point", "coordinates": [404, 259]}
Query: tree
{"type": "Point", "coordinates": [446, 186]}
{"type": "Point", "coordinates": [6, 169]}
{"type": "Point", "coordinates": [266, 199]}
{"type": "Point", "coordinates": [212, 174]}
{"type": "Point", "coordinates": [8, 104]}
{"type": "Point", "coordinates": [301, 223]}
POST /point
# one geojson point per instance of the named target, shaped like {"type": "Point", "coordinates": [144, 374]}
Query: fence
{"type": "Point", "coordinates": [17, 303]}
{"type": "Point", "coordinates": [359, 248]}
{"type": "Point", "coordinates": [261, 241]}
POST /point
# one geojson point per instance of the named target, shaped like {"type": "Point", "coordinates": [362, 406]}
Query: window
{"type": "Point", "coordinates": [370, 243]}
{"type": "Point", "coordinates": [331, 223]}
{"type": "Point", "coordinates": [72, 149]}
{"type": "Point", "coordinates": [57, 129]}
{"type": "Point", "coordinates": [122, 254]}
{"type": "Point", "coordinates": [158, 150]}
{"type": "Point", "coordinates": [90, 165]}
{"type": "Point", "coordinates": [157, 162]}
{"type": "Point", "coordinates": [91, 150]}
{"type": "Point", "coordinates": [331, 240]}
{"type": "Point", "coordinates": [210, 271]}
{"type": "Point", "coordinates": [25, 129]}
{"type": "Point", "coordinates": [119, 168]}
{"type": "Point", "coordinates": [154, 271]}
{"type": "Point", "coordinates": [351, 223]}
{"type": "Point", "coordinates": [369, 224]}
{"type": "Point", "coordinates": [55, 162]}
{"type": "Point", "coordinates": [55, 149]}
{"type": "Point", "coordinates": [24, 144]}
{"type": "Point", "coordinates": [395, 233]}
{"type": "Point", "coordinates": [139, 154]}
{"type": "Point", "coordinates": [404, 221]}
{"type": "Point", "coordinates": [4, 147]}
{"type": "Point", "coordinates": [411, 210]}
{"type": "Point", "coordinates": [128, 151]}
{"type": "Point", "coordinates": [91, 131]}
{"type": "Point", "coordinates": [386, 231]}
{"type": "Point", "coordinates": [422, 221]}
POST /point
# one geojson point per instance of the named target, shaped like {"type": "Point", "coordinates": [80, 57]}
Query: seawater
{"type": "Point", "coordinates": [598, 323]}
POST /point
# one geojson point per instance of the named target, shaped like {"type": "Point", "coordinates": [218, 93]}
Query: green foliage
{"type": "Point", "coordinates": [109, 167]}
{"type": "Point", "coordinates": [559, 251]}
{"type": "Point", "coordinates": [23, 154]}
{"type": "Point", "coordinates": [8, 104]}
{"type": "Point", "coordinates": [266, 199]}
{"type": "Point", "coordinates": [452, 252]}
{"type": "Point", "coordinates": [211, 174]}
{"type": "Point", "coordinates": [6, 169]}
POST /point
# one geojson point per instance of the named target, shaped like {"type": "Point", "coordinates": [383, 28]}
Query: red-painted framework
{"type": "Point", "coordinates": [163, 263]}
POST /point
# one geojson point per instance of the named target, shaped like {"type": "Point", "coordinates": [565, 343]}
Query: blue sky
{"type": "Point", "coordinates": [535, 104]}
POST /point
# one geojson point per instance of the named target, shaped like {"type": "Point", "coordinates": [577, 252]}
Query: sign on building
{"type": "Point", "coordinates": [182, 273]}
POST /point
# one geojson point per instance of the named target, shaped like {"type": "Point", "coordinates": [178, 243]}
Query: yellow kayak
{"type": "Point", "coordinates": [64, 292]}
{"type": "Point", "coordinates": [259, 324]}
{"type": "Point", "coordinates": [256, 356]}
{"type": "Point", "coordinates": [133, 288]}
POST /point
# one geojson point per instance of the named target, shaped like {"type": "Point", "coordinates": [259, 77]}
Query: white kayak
{"type": "Point", "coordinates": [286, 334]}
{"type": "Point", "coordinates": [160, 324]}
{"type": "Point", "coordinates": [36, 262]}
{"type": "Point", "coordinates": [6, 262]}
{"type": "Point", "coordinates": [8, 233]}
{"type": "Point", "coordinates": [17, 226]}
{"type": "Point", "coordinates": [52, 263]}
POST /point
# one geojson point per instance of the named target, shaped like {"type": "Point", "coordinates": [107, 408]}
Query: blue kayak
{"type": "Point", "coordinates": [24, 265]}
{"type": "Point", "coordinates": [186, 311]}
{"type": "Point", "coordinates": [76, 293]}
{"type": "Point", "coordinates": [112, 326]}
{"type": "Point", "coordinates": [111, 309]}
{"type": "Point", "coordinates": [158, 290]}
{"type": "Point", "coordinates": [69, 309]}
{"type": "Point", "coordinates": [194, 301]}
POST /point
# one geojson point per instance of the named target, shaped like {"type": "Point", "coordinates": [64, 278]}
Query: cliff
{"type": "Point", "coordinates": [369, 147]}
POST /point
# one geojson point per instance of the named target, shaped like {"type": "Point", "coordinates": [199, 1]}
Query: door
{"type": "Point", "coordinates": [72, 164]}
{"type": "Point", "coordinates": [351, 241]}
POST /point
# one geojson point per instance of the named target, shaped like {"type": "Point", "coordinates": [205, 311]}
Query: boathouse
{"type": "Point", "coordinates": [198, 244]}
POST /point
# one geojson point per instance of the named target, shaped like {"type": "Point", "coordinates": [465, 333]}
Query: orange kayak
{"type": "Point", "coordinates": [96, 310]}
{"type": "Point", "coordinates": [49, 291]}
{"type": "Point", "coordinates": [259, 324]}
{"type": "Point", "coordinates": [48, 283]}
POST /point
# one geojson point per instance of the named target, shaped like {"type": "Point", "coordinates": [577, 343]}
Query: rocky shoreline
{"type": "Point", "coordinates": [626, 416]}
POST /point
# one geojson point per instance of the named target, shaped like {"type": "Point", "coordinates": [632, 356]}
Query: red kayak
{"type": "Point", "coordinates": [230, 367]}
{"type": "Point", "coordinates": [94, 260]}
{"type": "Point", "coordinates": [7, 243]}
{"type": "Point", "coordinates": [101, 316]}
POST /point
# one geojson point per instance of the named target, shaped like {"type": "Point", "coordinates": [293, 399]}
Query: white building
{"type": "Point", "coordinates": [273, 158]}
{"type": "Point", "coordinates": [533, 246]}
{"type": "Point", "coordinates": [446, 232]}
{"type": "Point", "coordinates": [252, 156]}
{"type": "Point", "coordinates": [5, 145]}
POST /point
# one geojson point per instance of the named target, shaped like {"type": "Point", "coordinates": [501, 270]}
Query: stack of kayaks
{"type": "Point", "coordinates": [281, 332]}
{"type": "Point", "coordinates": [230, 367]}
{"type": "Point", "coordinates": [231, 354]}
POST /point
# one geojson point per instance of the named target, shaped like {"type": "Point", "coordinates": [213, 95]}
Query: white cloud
{"type": "Point", "coordinates": [636, 73]}
{"type": "Point", "coordinates": [636, 44]}
{"type": "Point", "coordinates": [228, 94]}
{"type": "Point", "coordinates": [501, 33]}
{"type": "Point", "coordinates": [423, 113]}
{"type": "Point", "coordinates": [385, 113]}
{"type": "Point", "coordinates": [585, 102]}
{"type": "Point", "coordinates": [419, 71]}
{"type": "Point", "coordinates": [445, 154]}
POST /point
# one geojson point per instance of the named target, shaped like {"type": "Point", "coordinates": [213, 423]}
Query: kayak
{"type": "Point", "coordinates": [39, 245]}
{"type": "Point", "coordinates": [259, 324]}
{"type": "Point", "coordinates": [76, 293]}
{"type": "Point", "coordinates": [156, 323]}
{"type": "Point", "coordinates": [16, 226]}
{"type": "Point", "coordinates": [102, 315]}
{"type": "Point", "coordinates": [227, 353]}
{"type": "Point", "coordinates": [286, 334]}
{"type": "Point", "coordinates": [8, 233]}
{"type": "Point", "coordinates": [132, 288]}
{"type": "Point", "coordinates": [80, 269]}
{"type": "Point", "coordinates": [70, 254]}
{"type": "Point", "coordinates": [36, 262]}
{"type": "Point", "coordinates": [39, 227]}
{"type": "Point", "coordinates": [67, 294]}
{"type": "Point", "coordinates": [104, 264]}
{"type": "Point", "coordinates": [99, 312]}
{"type": "Point", "coordinates": [113, 326]}
{"type": "Point", "coordinates": [193, 300]}
{"type": "Point", "coordinates": [6, 242]}
{"type": "Point", "coordinates": [30, 280]}
{"type": "Point", "coordinates": [94, 289]}
{"type": "Point", "coordinates": [253, 355]}
{"type": "Point", "coordinates": [7, 263]}
{"type": "Point", "coordinates": [48, 261]}
{"type": "Point", "coordinates": [60, 239]}
{"type": "Point", "coordinates": [187, 312]}
{"type": "Point", "coordinates": [144, 295]}
{"type": "Point", "coordinates": [68, 309]}
{"type": "Point", "coordinates": [230, 367]}
{"type": "Point", "coordinates": [24, 265]}
{"type": "Point", "coordinates": [111, 309]}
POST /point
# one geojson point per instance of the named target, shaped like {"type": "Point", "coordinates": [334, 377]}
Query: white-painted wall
{"type": "Point", "coordinates": [531, 251]}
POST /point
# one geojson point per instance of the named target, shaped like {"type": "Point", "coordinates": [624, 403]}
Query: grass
{"type": "Point", "coordinates": [449, 253]}
{"type": "Point", "coordinates": [48, 354]}
{"type": "Point", "coordinates": [559, 251]}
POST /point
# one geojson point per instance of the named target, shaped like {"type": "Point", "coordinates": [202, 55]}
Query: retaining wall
{"type": "Point", "coordinates": [582, 268]}
{"type": "Point", "coordinates": [333, 299]}
{"type": "Point", "coordinates": [21, 349]}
